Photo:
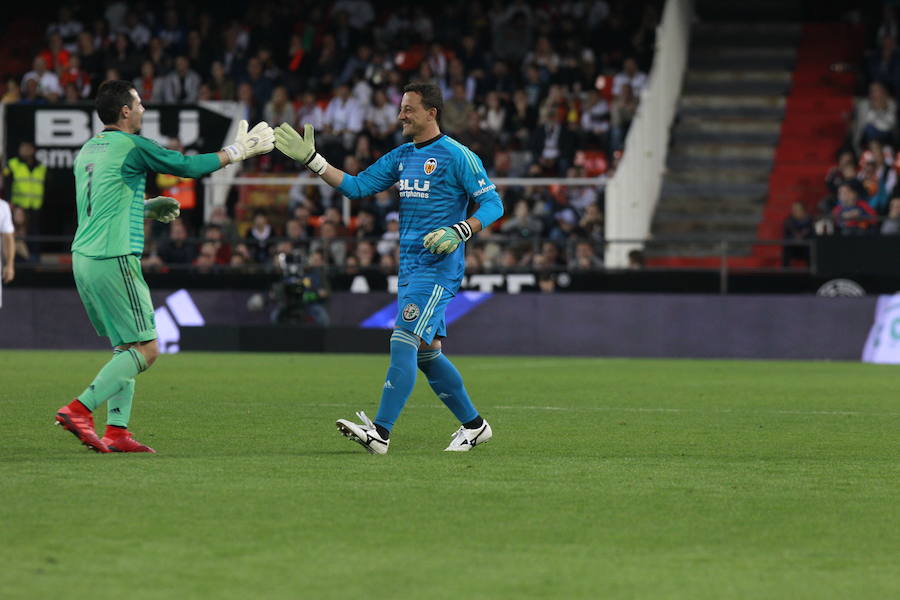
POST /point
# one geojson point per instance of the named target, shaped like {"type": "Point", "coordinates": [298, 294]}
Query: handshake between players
{"type": "Point", "coordinates": [302, 148]}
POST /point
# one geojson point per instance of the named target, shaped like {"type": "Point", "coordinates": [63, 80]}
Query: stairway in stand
{"type": "Point", "coordinates": [724, 141]}
{"type": "Point", "coordinates": [758, 125]}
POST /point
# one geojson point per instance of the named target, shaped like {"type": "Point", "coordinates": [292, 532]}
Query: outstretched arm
{"type": "Point", "coordinates": [378, 177]}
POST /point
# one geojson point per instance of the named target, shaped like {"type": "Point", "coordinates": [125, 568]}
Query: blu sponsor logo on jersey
{"type": "Point", "coordinates": [430, 166]}
{"type": "Point", "coordinates": [416, 189]}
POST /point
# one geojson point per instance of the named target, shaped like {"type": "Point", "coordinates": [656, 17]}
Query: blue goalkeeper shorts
{"type": "Point", "coordinates": [422, 305]}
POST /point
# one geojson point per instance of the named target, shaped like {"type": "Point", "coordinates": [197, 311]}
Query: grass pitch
{"type": "Point", "coordinates": [605, 479]}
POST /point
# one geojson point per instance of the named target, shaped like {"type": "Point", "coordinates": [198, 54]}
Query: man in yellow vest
{"type": "Point", "coordinates": [25, 178]}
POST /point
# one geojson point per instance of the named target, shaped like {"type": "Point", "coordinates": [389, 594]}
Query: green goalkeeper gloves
{"type": "Point", "coordinates": [301, 149]}
{"type": "Point", "coordinates": [446, 239]}
{"type": "Point", "coordinates": [162, 208]}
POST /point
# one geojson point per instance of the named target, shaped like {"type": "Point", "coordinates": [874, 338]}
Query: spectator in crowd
{"type": "Point", "coordinates": [137, 31]}
{"type": "Point", "coordinates": [552, 144]}
{"type": "Point", "coordinates": [891, 225]}
{"type": "Point", "coordinates": [585, 258]}
{"type": "Point", "coordinates": [630, 75]}
{"type": "Point", "coordinates": [182, 85]}
{"type": "Point", "coordinates": [875, 117]}
{"type": "Point", "coordinates": [636, 259]}
{"type": "Point", "coordinates": [456, 110]}
{"type": "Point", "coordinates": [13, 92]}
{"type": "Point", "coordinates": [522, 223]}
{"type": "Point", "coordinates": [878, 177]}
{"type": "Point", "coordinates": [883, 65]}
{"type": "Point", "coordinates": [367, 226]}
{"type": "Point", "coordinates": [852, 215]}
{"type": "Point", "coordinates": [479, 141]}
{"type": "Point", "coordinates": [221, 86]}
{"type": "Point", "coordinates": [279, 109]}
{"type": "Point", "coordinates": [595, 118]}
{"type": "Point", "coordinates": [47, 81]}
{"type": "Point", "coordinates": [25, 177]}
{"type": "Point", "coordinates": [55, 56]}
{"type": "Point", "coordinates": [390, 239]}
{"type": "Point", "coordinates": [798, 227]}
{"type": "Point", "coordinates": [343, 121]}
{"type": "Point", "coordinates": [259, 82]}
{"type": "Point", "coordinates": [366, 255]}
{"type": "Point", "coordinates": [522, 119]}
{"type": "Point", "coordinates": [67, 27]}
{"type": "Point", "coordinates": [214, 238]}
{"type": "Point", "coordinates": [148, 85]}
{"type": "Point", "coordinates": [74, 75]}
{"type": "Point", "coordinates": [334, 249]}
{"type": "Point", "coordinates": [493, 115]}
{"type": "Point", "coordinates": [591, 223]}
{"type": "Point", "coordinates": [197, 52]}
{"type": "Point", "coordinates": [260, 238]}
{"type": "Point", "coordinates": [624, 107]}
{"type": "Point", "coordinates": [121, 58]}
{"type": "Point", "coordinates": [178, 249]}
{"type": "Point", "coordinates": [219, 217]}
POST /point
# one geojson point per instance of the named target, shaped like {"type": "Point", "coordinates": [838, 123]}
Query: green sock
{"type": "Point", "coordinates": [118, 408]}
{"type": "Point", "coordinates": [113, 377]}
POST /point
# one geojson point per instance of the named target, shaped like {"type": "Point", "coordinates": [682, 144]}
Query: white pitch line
{"type": "Point", "coordinates": [829, 413]}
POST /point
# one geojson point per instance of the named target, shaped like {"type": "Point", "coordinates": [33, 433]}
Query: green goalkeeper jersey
{"type": "Point", "coordinates": [110, 174]}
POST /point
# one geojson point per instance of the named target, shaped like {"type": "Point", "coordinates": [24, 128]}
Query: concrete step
{"type": "Point", "coordinates": [724, 175]}
{"type": "Point", "coordinates": [759, 11]}
{"type": "Point", "coordinates": [761, 50]}
{"type": "Point", "coordinates": [750, 28]}
{"type": "Point", "coordinates": [694, 249]}
{"type": "Point", "coordinates": [724, 151]}
{"type": "Point", "coordinates": [717, 164]}
{"type": "Point", "coordinates": [741, 40]}
{"type": "Point", "coordinates": [738, 227]}
{"type": "Point", "coordinates": [731, 112]}
{"type": "Point", "coordinates": [727, 125]}
{"type": "Point", "coordinates": [711, 222]}
{"type": "Point", "coordinates": [711, 62]}
{"type": "Point", "coordinates": [718, 101]}
{"type": "Point", "coordinates": [714, 189]}
{"type": "Point", "coordinates": [725, 137]}
{"type": "Point", "coordinates": [738, 88]}
{"type": "Point", "coordinates": [670, 210]}
{"type": "Point", "coordinates": [738, 75]}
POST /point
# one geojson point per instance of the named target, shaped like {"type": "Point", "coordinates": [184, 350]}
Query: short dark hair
{"type": "Point", "coordinates": [431, 96]}
{"type": "Point", "coordinates": [111, 97]}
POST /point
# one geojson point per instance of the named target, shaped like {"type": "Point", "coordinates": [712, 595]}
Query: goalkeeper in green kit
{"type": "Point", "coordinates": [110, 173]}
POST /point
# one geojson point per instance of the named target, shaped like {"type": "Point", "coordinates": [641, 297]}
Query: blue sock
{"type": "Point", "coordinates": [447, 383]}
{"type": "Point", "coordinates": [401, 377]}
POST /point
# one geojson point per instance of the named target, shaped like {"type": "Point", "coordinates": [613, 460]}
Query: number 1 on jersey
{"type": "Point", "coordinates": [90, 171]}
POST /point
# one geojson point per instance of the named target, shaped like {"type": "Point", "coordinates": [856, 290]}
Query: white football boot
{"type": "Point", "coordinates": [466, 439]}
{"type": "Point", "coordinates": [363, 434]}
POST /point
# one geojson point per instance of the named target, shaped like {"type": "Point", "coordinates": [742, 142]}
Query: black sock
{"type": "Point", "coordinates": [117, 427]}
{"type": "Point", "coordinates": [384, 433]}
{"type": "Point", "coordinates": [474, 423]}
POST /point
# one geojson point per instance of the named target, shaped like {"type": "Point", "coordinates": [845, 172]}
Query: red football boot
{"type": "Point", "coordinates": [120, 440]}
{"type": "Point", "coordinates": [76, 418]}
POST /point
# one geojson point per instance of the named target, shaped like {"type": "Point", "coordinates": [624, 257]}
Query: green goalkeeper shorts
{"type": "Point", "coordinates": [116, 297]}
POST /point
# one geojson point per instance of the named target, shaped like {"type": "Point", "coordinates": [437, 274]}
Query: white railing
{"type": "Point", "coordinates": [633, 191]}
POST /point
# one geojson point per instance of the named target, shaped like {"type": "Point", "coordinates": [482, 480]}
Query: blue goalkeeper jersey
{"type": "Point", "coordinates": [436, 180]}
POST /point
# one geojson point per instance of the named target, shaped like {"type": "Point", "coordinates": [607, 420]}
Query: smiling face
{"type": "Point", "coordinates": [416, 120]}
{"type": "Point", "coordinates": [133, 114]}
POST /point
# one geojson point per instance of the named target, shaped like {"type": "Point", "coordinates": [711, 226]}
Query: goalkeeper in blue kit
{"type": "Point", "coordinates": [436, 176]}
